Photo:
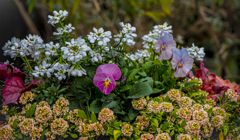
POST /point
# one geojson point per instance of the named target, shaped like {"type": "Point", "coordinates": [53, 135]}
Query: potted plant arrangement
{"type": "Point", "coordinates": [89, 87]}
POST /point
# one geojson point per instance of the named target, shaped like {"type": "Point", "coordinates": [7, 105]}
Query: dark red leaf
{"type": "Point", "coordinates": [32, 84]}
{"type": "Point", "coordinates": [3, 75]}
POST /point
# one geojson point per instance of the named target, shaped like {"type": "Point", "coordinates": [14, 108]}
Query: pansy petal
{"type": "Point", "coordinates": [184, 54]}
{"type": "Point", "coordinates": [171, 44]}
{"type": "Point", "coordinates": [188, 64]}
{"type": "Point", "coordinates": [100, 86]}
{"type": "Point", "coordinates": [166, 54]}
{"type": "Point", "coordinates": [180, 73]}
{"type": "Point", "coordinates": [110, 69]}
{"type": "Point", "coordinates": [166, 36]}
{"type": "Point", "coordinates": [176, 52]}
{"type": "Point", "coordinates": [99, 77]}
{"type": "Point", "coordinates": [175, 61]}
{"type": "Point", "coordinates": [109, 89]}
{"type": "Point", "coordinates": [158, 45]}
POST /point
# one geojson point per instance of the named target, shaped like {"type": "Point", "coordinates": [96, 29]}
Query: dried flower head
{"type": "Point", "coordinates": [59, 126]}
{"type": "Point", "coordinates": [147, 137]}
{"type": "Point", "coordinates": [26, 126]}
{"type": "Point", "coordinates": [144, 122]}
{"type": "Point", "coordinates": [106, 115]}
{"type": "Point", "coordinates": [185, 102]}
{"type": "Point", "coordinates": [74, 117]}
{"type": "Point", "coordinates": [163, 136]}
{"type": "Point", "coordinates": [60, 107]}
{"type": "Point", "coordinates": [201, 116]}
{"type": "Point", "coordinates": [154, 106]}
{"type": "Point", "coordinates": [206, 130]}
{"type": "Point", "coordinates": [174, 94]}
{"type": "Point", "coordinates": [219, 111]}
{"type": "Point", "coordinates": [139, 104]}
{"type": "Point", "coordinates": [43, 114]}
{"type": "Point", "coordinates": [184, 137]}
{"type": "Point", "coordinates": [26, 97]}
{"type": "Point", "coordinates": [6, 132]}
{"type": "Point", "coordinates": [217, 121]}
{"type": "Point", "coordinates": [127, 130]}
{"type": "Point", "coordinates": [192, 127]}
{"type": "Point", "coordinates": [166, 107]}
{"type": "Point", "coordinates": [232, 95]}
{"type": "Point", "coordinates": [184, 113]}
{"type": "Point", "coordinates": [4, 110]}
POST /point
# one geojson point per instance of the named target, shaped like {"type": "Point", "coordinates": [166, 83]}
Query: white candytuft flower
{"type": "Point", "coordinates": [62, 70]}
{"type": "Point", "coordinates": [51, 49]}
{"type": "Point", "coordinates": [196, 53]}
{"type": "Point", "coordinates": [76, 72]}
{"type": "Point", "coordinates": [139, 56]}
{"type": "Point", "coordinates": [67, 29]}
{"type": "Point", "coordinates": [75, 50]}
{"type": "Point", "coordinates": [59, 31]}
{"type": "Point", "coordinates": [44, 68]}
{"type": "Point", "coordinates": [96, 56]}
{"type": "Point", "coordinates": [8, 45]}
{"type": "Point", "coordinates": [19, 48]}
{"type": "Point", "coordinates": [150, 39]}
{"type": "Point", "coordinates": [127, 33]}
{"type": "Point", "coordinates": [102, 37]}
{"type": "Point", "coordinates": [57, 16]}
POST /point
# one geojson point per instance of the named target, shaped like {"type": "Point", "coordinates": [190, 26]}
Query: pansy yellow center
{"type": "Point", "coordinates": [180, 64]}
{"type": "Point", "coordinates": [106, 83]}
{"type": "Point", "coordinates": [163, 47]}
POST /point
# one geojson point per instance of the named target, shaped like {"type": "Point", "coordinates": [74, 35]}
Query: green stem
{"type": "Point", "coordinates": [28, 64]}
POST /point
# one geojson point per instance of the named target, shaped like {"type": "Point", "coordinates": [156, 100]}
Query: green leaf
{"type": "Point", "coordinates": [165, 6]}
{"type": "Point", "coordinates": [221, 137]}
{"type": "Point", "coordinates": [189, 84]}
{"type": "Point", "coordinates": [116, 134]}
{"type": "Point", "coordinates": [19, 135]}
{"type": "Point", "coordinates": [27, 138]}
{"type": "Point", "coordinates": [111, 101]}
{"type": "Point", "coordinates": [73, 135]}
{"type": "Point", "coordinates": [194, 94]}
{"type": "Point", "coordinates": [132, 114]}
{"type": "Point", "coordinates": [165, 125]}
{"type": "Point", "coordinates": [118, 110]}
{"type": "Point", "coordinates": [43, 134]}
{"type": "Point", "coordinates": [65, 135]}
{"type": "Point", "coordinates": [14, 124]}
{"type": "Point", "coordinates": [172, 133]}
{"type": "Point", "coordinates": [183, 123]}
{"type": "Point", "coordinates": [140, 90]}
{"type": "Point", "coordinates": [124, 88]}
{"type": "Point", "coordinates": [82, 114]}
{"type": "Point", "coordinates": [93, 117]}
{"type": "Point", "coordinates": [132, 74]}
{"type": "Point", "coordinates": [155, 15]}
{"type": "Point", "coordinates": [32, 110]}
{"type": "Point", "coordinates": [154, 122]}
{"type": "Point", "coordinates": [225, 129]}
{"type": "Point", "coordinates": [142, 73]}
{"type": "Point", "coordinates": [96, 106]}
{"type": "Point", "coordinates": [155, 90]}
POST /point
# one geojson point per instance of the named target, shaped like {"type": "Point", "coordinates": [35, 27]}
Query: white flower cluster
{"type": "Point", "coordinates": [150, 39]}
{"type": "Point", "coordinates": [139, 56]}
{"type": "Point", "coordinates": [102, 37]}
{"type": "Point", "coordinates": [57, 16]}
{"type": "Point", "coordinates": [196, 53]}
{"type": "Point", "coordinates": [45, 68]}
{"type": "Point", "coordinates": [127, 34]}
{"type": "Point", "coordinates": [67, 29]}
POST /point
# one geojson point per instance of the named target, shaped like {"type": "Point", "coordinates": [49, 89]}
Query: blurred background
{"type": "Point", "coordinates": [212, 24]}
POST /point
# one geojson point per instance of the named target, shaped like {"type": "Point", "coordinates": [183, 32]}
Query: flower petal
{"type": "Point", "coordinates": [99, 77]}
{"type": "Point", "coordinates": [110, 69]}
{"type": "Point", "coordinates": [180, 73]}
{"type": "Point", "coordinates": [175, 61]}
{"type": "Point", "coordinates": [158, 46]}
{"type": "Point", "coordinates": [171, 44]}
{"type": "Point", "coordinates": [166, 54]}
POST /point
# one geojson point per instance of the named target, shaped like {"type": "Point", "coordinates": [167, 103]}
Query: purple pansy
{"type": "Point", "coordinates": [182, 61]}
{"type": "Point", "coordinates": [105, 77]}
{"type": "Point", "coordinates": [166, 45]}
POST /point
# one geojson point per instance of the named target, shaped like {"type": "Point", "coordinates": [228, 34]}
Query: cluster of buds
{"type": "Point", "coordinates": [201, 116]}
{"type": "Point", "coordinates": [163, 136]}
{"type": "Point", "coordinates": [219, 111]}
{"type": "Point", "coordinates": [166, 107]}
{"type": "Point", "coordinates": [36, 132]}
{"type": "Point", "coordinates": [74, 117]}
{"type": "Point", "coordinates": [43, 114]}
{"type": "Point", "coordinates": [6, 132]}
{"type": "Point", "coordinates": [26, 126]}
{"type": "Point", "coordinates": [59, 126]}
{"type": "Point", "coordinates": [171, 119]}
{"type": "Point", "coordinates": [26, 108]}
{"type": "Point", "coordinates": [12, 119]}
{"type": "Point", "coordinates": [232, 96]}
{"type": "Point", "coordinates": [174, 94]}
{"type": "Point", "coordinates": [106, 115]}
{"type": "Point", "coordinates": [185, 102]}
{"type": "Point", "coordinates": [91, 130]}
{"type": "Point", "coordinates": [147, 137]}
{"type": "Point", "coordinates": [192, 127]}
{"type": "Point", "coordinates": [154, 106]}
{"type": "Point", "coordinates": [127, 130]}
{"type": "Point", "coordinates": [42, 104]}
{"type": "Point", "coordinates": [210, 102]}
{"type": "Point", "coordinates": [50, 135]}
{"type": "Point", "coordinates": [4, 110]}
{"type": "Point", "coordinates": [217, 121]}
{"type": "Point", "coordinates": [198, 84]}
{"type": "Point", "coordinates": [184, 137]}
{"type": "Point", "coordinates": [184, 113]}
{"type": "Point", "coordinates": [196, 107]}
{"type": "Point", "coordinates": [206, 130]}
{"type": "Point", "coordinates": [144, 122]}
{"type": "Point", "coordinates": [26, 97]}
{"type": "Point", "coordinates": [60, 107]}
{"type": "Point", "coordinates": [207, 106]}
{"type": "Point", "coordinates": [139, 104]}
{"type": "Point", "coordinates": [230, 137]}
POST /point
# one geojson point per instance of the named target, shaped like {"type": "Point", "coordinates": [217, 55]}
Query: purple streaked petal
{"type": "Point", "coordinates": [166, 36]}
{"type": "Point", "coordinates": [158, 45]}
{"type": "Point", "coordinates": [188, 64]}
{"type": "Point", "coordinates": [180, 73]}
{"type": "Point", "coordinates": [184, 54]}
{"type": "Point", "coordinates": [175, 61]}
{"type": "Point", "coordinates": [100, 85]}
{"type": "Point", "coordinates": [110, 69]}
{"type": "Point", "coordinates": [106, 90]}
{"type": "Point", "coordinates": [171, 44]}
{"type": "Point", "coordinates": [166, 54]}
{"type": "Point", "coordinates": [99, 77]}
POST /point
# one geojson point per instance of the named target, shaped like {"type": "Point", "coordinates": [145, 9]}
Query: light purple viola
{"type": "Point", "coordinates": [182, 61]}
{"type": "Point", "coordinates": [105, 77]}
{"type": "Point", "coordinates": [166, 45]}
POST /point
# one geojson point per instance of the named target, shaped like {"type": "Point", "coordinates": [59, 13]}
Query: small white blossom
{"type": "Point", "coordinates": [102, 37]}
{"type": "Point", "coordinates": [127, 33]}
{"type": "Point", "coordinates": [139, 56]}
{"type": "Point", "coordinates": [51, 49]}
{"type": "Point", "coordinates": [68, 28]}
{"type": "Point", "coordinates": [96, 56]}
{"type": "Point", "coordinates": [164, 27]}
{"type": "Point", "coordinates": [34, 39]}
{"type": "Point", "coordinates": [59, 31]}
{"type": "Point", "coordinates": [8, 45]}
{"type": "Point", "coordinates": [57, 16]}
{"type": "Point", "coordinates": [75, 50]}
{"type": "Point", "coordinates": [43, 69]}
{"type": "Point", "coordinates": [196, 53]}
{"type": "Point", "coordinates": [76, 72]}
{"type": "Point", "coordinates": [19, 48]}
{"type": "Point", "coordinates": [62, 70]}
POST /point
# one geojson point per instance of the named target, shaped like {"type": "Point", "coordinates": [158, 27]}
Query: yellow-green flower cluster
{"type": "Point", "coordinates": [6, 132]}
{"type": "Point", "coordinates": [166, 107]}
{"type": "Point", "coordinates": [106, 115]}
{"type": "Point", "coordinates": [163, 136]}
{"type": "Point", "coordinates": [91, 130]}
{"type": "Point", "coordinates": [74, 117]}
{"type": "Point", "coordinates": [192, 127]}
{"type": "Point", "coordinates": [26, 126]}
{"type": "Point", "coordinates": [26, 97]}
{"type": "Point", "coordinates": [4, 110]}
{"type": "Point", "coordinates": [185, 102]}
{"type": "Point", "coordinates": [196, 107]}
{"type": "Point", "coordinates": [139, 104]}
{"type": "Point", "coordinates": [232, 95]}
{"type": "Point", "coordinates": [60, 107]}
{"type": "Point", "coordinates": [210, 102]}
{"type": "Point", "coordinates": [184, 113]}
{"type": "Point", "coordinates": [43, 114]}
{"type": "Point", "coordinates": [26, 108]}
{"type": "Point", "coordinates": [184, 137]}
{"type": "Point", "coordinates": [201, 116]}
{"type": "Point", "coordinates": [127, 130]}
{"type": "Point", "coordinates": [144, 122]}
{"type": "Point", "coordinates": [219, 111]}
{"type": "Point", "coordinates": [217, 121]}
{"type": "Point", "coordinates": [154, 106]}
{"type": "Point", "coordinates": [59, 126]}
{"type": "Point", "coordinates": [147, 137]}
{"type": "Point", "coordinates": [206, 130]}
{"type": "Point", "coordinates": [36, 132]}
{"type": "Point", "coordinates": [174, 94]}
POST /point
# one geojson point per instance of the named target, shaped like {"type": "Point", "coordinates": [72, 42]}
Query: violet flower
{"type": "Point", "coordinates": [105, 77]}
{"type": "Point", "coordinates": [182, 61]}
{"type": "Point", "coordinates": [166, 45]}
